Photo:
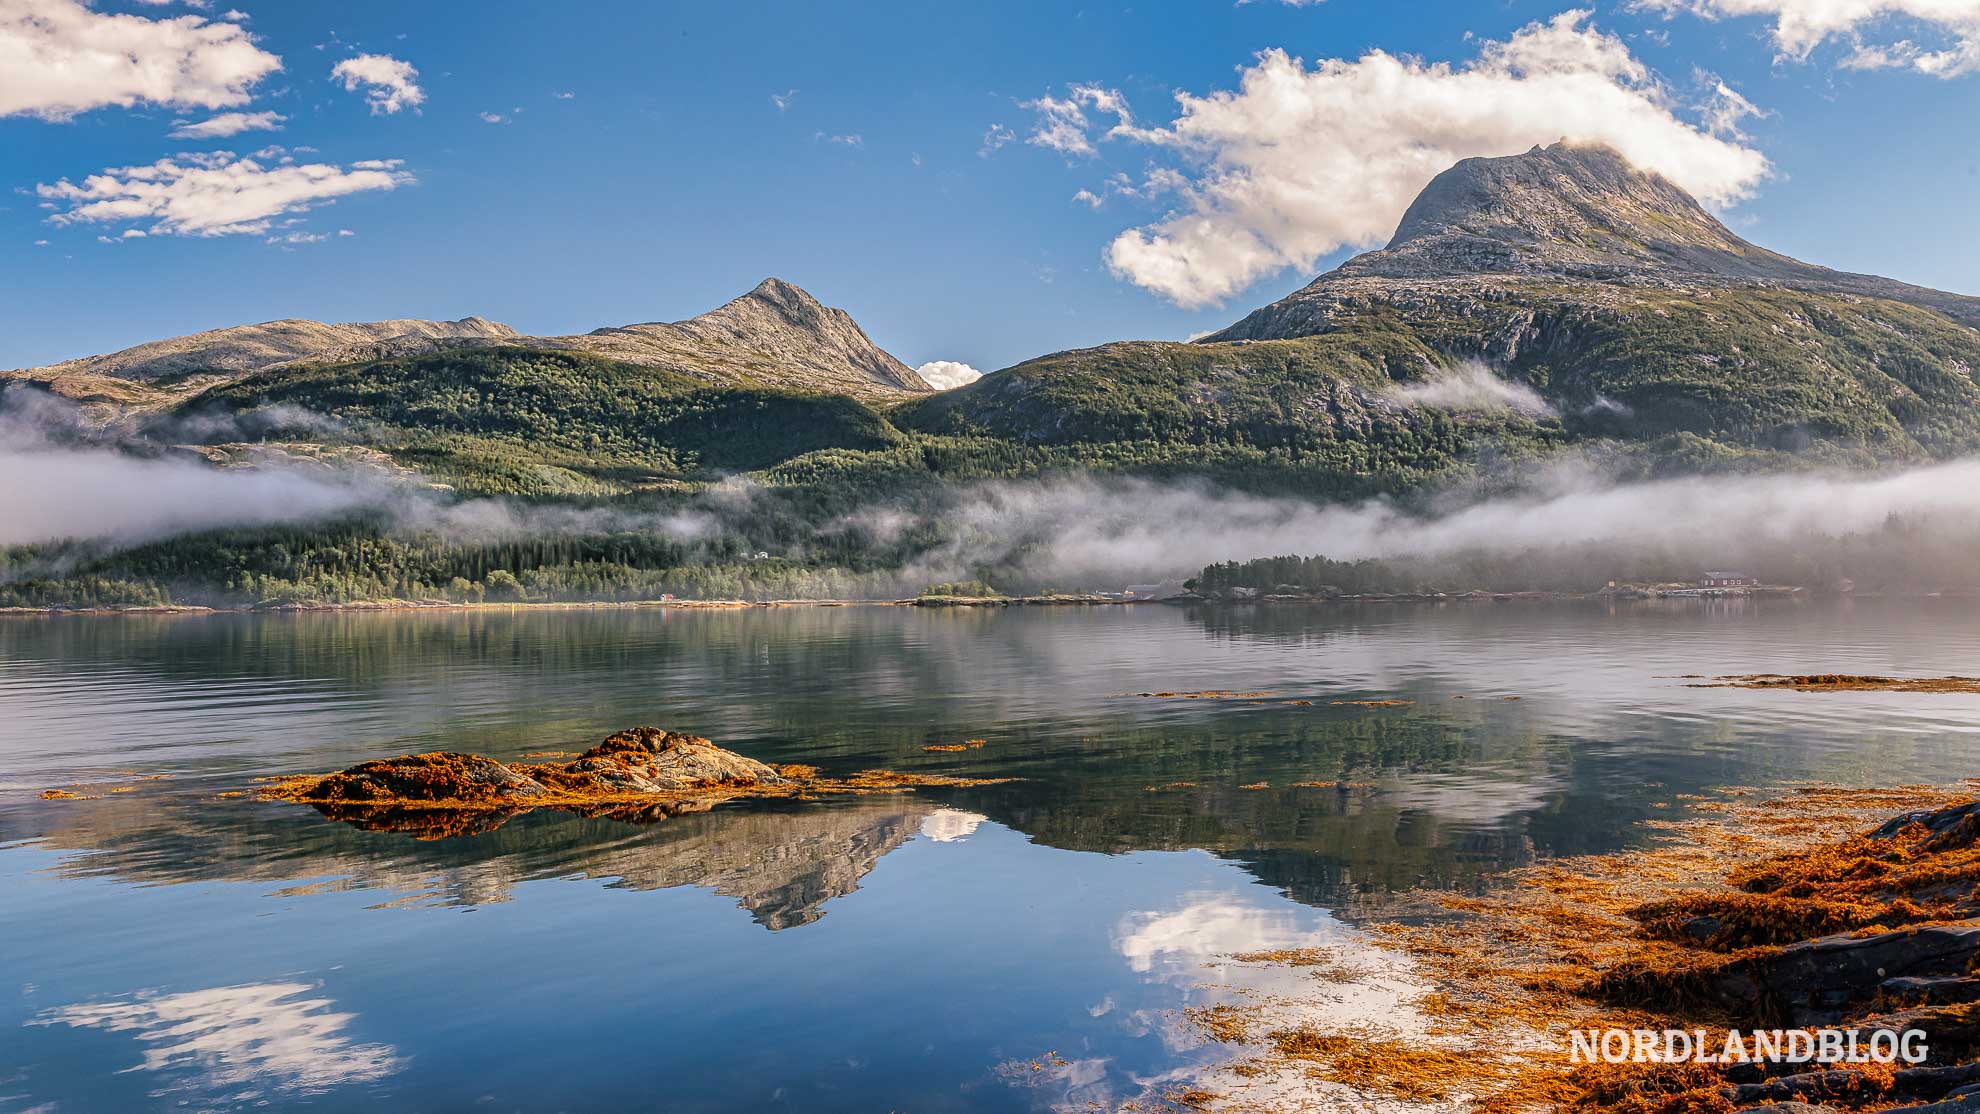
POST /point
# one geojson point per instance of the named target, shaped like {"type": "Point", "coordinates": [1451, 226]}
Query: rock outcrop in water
{"type": "Point", "coordinates": [644, 760]}
{"type": "Point", "coordinates": [640, 775]}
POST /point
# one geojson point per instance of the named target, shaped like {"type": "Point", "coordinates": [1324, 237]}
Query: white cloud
{"type": "Point", "coordinates": [996, 137]}
{"type": "Point", "coordinates": [212, 194]}
{"type": "Point", "coordinates": [566, 95]}
{"type": "Point", "coordinates": [61, 58]}
{"type": "Point", "coordinates": [1726, 108]}
{"type": "Point", "coordinates": [1471, 387]}
{"type": "Point", "coordinates": [494, 118]}
{"type": "Point", "coordinates": [1089, 198]}
{"type": "Point", "coordinates": [1298, 162]}
{"type": "Point", "coordinates": [853, 140]}
{"type": "Point", "coordinates": [1062, 123]}
{"type": "Point", "coordinates": [1802, 25]}
{"type": "Point", "coordinates": [388, 82]}
{"type": "Point", "coordinates": [947, 375]}
{"type": "Point", "coordinates": [783, 100]}
{"type": "Point", "coordinates": [229, 123]}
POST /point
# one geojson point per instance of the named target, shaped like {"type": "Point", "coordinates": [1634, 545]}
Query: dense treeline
{"type": "Point", "coordinates": [1903, 555]}
{"type": "Point", "coordinates": [366, 559]}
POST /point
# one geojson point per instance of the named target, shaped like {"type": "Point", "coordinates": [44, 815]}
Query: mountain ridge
{"type": "Point", "coordinates": [775, 336]}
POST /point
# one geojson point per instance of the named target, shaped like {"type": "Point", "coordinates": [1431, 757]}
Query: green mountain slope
{"type": "Point", "coordinates": [534, 422]}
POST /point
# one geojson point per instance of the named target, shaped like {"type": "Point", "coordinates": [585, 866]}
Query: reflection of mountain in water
{"type": "Point", "coordinates": [781, 863]}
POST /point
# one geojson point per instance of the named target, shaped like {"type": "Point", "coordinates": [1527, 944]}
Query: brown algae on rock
{"type": "Point", "coordinates": [1757, 914]}
{"type": "Point", "coordinates": [639, 775]}
{"type": "Point", "coordinates": [1840, 682]}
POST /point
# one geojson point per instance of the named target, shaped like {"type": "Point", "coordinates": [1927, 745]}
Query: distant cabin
{"type": "Point", "coordinates": [1728, 580]}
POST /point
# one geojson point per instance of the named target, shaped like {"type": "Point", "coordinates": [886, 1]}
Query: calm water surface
{"type": "Point", "coordinates": [1015, 947]}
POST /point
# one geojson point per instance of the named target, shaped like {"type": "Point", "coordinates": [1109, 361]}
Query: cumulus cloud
{"type": "Point", "coordinates": [947, 375]}
{"type": "Point", "coordinates": [1802, 25]}
{"type": "Point", "coordinates": [62, 58]}
{"type": "Point", "coordinates": [229, 123]}
{"type": "Point", "coordinates": [213, 194]}
{"type": "Point", "coordinates": [1298, 162]}
{"type": "Point", "coordinates": [388, 83]}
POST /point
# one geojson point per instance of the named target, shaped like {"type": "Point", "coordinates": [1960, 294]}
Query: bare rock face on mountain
{"type": "Point", "coordinates": [776, 335]}
{"type": "Point", "coordinates": [1569, 213]}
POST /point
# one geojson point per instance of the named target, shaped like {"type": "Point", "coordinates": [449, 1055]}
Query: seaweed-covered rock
{"type": "Point", "coordinates": [434, 776]}
{"type": "Point", "coordinates": [650, 760]}
{"type": "Point", "coordinates": [1818, 981]}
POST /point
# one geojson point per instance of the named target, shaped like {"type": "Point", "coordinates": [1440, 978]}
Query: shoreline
{"type": "Point", "coordinates": [1814, 908]}
{"type": "Point", "coordinates": [1796, 595]}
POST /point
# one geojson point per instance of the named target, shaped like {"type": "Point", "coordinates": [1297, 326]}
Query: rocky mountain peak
{"type": "Point", "coordinates": [776, 335]}
{"type": "Point", "coordinates": [1576, 209]}
{"type": "Point", "coordinates": [1576, 214]}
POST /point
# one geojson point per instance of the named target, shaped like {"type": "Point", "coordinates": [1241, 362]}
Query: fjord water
{"type": "Point", "coordinates": [1009, 947]}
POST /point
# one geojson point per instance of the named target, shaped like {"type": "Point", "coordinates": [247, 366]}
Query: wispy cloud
{"type": "Point", "coordinates": [229, 123]}
{"type": "Point", "coordinates": [1802, 25]}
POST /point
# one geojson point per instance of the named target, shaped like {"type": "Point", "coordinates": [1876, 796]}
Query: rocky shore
{"type": "Point", "coordinates": [1819, 914]}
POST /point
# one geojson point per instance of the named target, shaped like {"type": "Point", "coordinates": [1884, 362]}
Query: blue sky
{"type": "Point", "coordinates": [642, 167]}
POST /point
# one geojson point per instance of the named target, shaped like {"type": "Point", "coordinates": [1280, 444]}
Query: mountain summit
{"type": "Point", "coordinates": [1570, 211]}
{"type": "Point", "coordinates": [777, 335]}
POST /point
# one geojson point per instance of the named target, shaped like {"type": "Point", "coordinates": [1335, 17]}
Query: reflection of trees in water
{"type": "Point", "coordinates": [1423, 800]}
{"type": "Point", "coordinates": [1461, 788]}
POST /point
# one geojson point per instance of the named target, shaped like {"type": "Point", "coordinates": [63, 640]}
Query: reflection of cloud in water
{"type": "Point", "coordinates": [1486, 797]}
{"type": "Point", "coordinates": [1207, 928]}
{"type": "Point", "coordinates": [262, 1035]}
{"type": "Point", "coordinates": [951, 825]}
{"type": "Point", "coordinates": [1064, 1084]}
{"type": "Point", "coordinates": [1343, 983]}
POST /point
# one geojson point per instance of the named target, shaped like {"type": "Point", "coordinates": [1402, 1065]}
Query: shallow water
{"type": "Point", "coordinates": [1013, 947]}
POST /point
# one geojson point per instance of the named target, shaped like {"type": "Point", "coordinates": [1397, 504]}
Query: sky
{"type": "Point", "coordinates": [977, 183]}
